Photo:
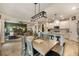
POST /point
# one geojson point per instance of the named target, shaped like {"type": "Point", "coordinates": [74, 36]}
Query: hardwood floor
{"type": "Point", "coordinates": [14, 48]}
{"type": "Point", "coordinates": [71, 48]}
{"type": "Point", "coordinates": [11, 49]}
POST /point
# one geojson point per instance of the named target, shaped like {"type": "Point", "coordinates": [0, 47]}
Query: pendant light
{"type": "Point", "coordinates": [40, 14]}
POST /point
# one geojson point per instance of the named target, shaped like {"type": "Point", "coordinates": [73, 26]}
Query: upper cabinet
{"type": "Point", "coordinates": [64, 24]}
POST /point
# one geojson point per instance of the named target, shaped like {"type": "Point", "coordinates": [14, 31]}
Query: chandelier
{"type": "Point", "coordinates": [39, 14]}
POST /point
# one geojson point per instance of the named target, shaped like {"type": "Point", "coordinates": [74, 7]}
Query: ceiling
{"type": "Point", "coordinates": [62, 9]}
{"type": "Point", "coordinates": [26, 10]}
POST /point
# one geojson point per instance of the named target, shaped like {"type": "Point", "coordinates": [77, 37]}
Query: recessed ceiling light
{"type": "Point", "coordinates": [61, 16]}
{"type": "Point", "coordinates": [53, 18]}
{"type": "Point", "coordinates": [74, 8]}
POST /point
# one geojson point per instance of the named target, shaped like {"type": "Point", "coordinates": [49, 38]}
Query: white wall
{"type": "Point", "coordinates": [73, 30]}
{"type": "Point", "coordinates": [2, 30]}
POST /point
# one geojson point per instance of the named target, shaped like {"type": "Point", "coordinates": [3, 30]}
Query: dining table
{"type": "Point", "coordinates": [43, 46]}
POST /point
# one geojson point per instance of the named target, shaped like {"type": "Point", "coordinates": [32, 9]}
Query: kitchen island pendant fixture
{"type": "Point", "coordinates": [39, 14]}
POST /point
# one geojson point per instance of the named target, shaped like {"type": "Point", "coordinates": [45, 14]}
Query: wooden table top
{"type": "Point", "coordinates": [43, 46]}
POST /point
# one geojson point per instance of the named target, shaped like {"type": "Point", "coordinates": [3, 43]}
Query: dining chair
{"type": "Point", "coordinates": [24, 46]}
{"type": "Point", "coordinates": [30, 50]}
{"type": "Point", "coordinates": [29, 45]}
